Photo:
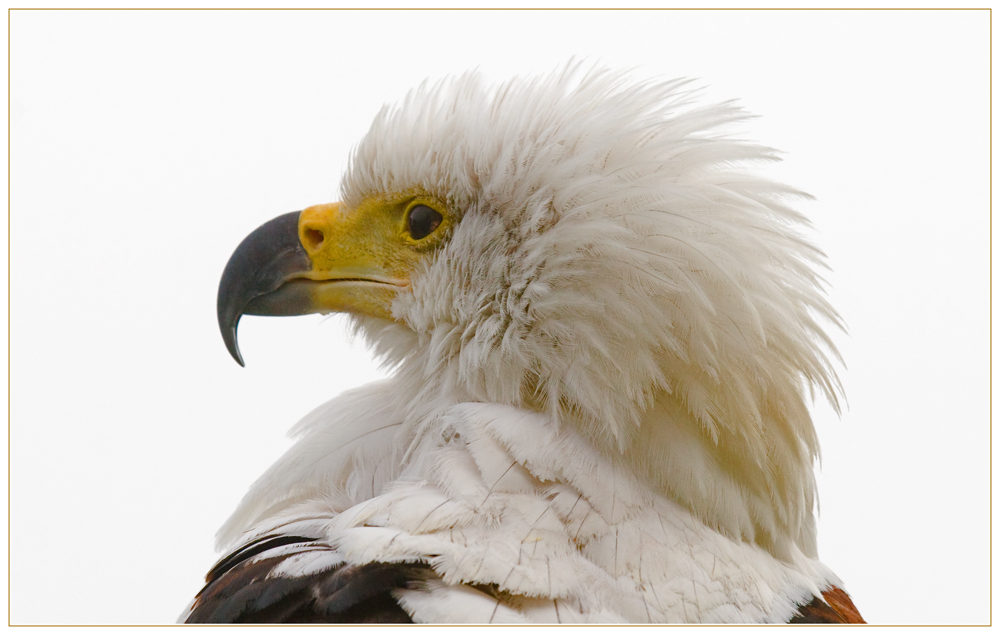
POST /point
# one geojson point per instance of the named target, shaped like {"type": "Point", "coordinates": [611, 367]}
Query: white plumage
{"type": "Point", "coordinates": [598, 409]}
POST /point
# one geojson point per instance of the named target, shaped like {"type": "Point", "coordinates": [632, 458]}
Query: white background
{"type": "Point", "coordinates": [146, 145]}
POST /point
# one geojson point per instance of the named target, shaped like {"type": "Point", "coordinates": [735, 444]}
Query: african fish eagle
{"type": "Point", "coordinates": [603, 329]}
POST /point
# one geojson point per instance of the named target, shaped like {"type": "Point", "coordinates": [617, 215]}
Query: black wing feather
{"type": "Point", "coordinates": [238, 589]}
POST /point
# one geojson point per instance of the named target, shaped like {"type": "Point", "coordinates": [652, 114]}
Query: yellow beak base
{"type": "Point", "coordinates": [323, 259]}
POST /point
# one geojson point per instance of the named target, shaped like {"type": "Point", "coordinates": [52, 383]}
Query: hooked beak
{"type": "Point", "coordinates": [319, 260]}
{"type": "Point", "coordinates": [266, 259]}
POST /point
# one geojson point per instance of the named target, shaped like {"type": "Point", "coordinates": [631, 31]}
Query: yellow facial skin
{"type": "Point", "coordinates": [363, 256]}
{"type": "Point", "coordinates": [330, 258]}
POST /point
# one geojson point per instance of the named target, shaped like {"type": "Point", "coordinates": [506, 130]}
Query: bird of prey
{"type": "Point", "coordinates": [603, 328]}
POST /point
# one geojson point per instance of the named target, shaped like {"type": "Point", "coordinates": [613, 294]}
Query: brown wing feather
{"type": "Point", "coordinates": [834, 608]}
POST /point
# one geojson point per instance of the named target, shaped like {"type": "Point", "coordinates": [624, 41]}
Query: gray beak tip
{"type": "Point", "coordinates": [229, 337]}
{"type": "Point", "coordinates": [257, 268]}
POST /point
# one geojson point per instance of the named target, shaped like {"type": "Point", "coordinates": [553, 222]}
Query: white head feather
{"type": "Point", "coordinates": [617, 267]}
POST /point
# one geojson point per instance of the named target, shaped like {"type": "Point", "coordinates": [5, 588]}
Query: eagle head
{"type": "Point", "coordinates": [585, 246]}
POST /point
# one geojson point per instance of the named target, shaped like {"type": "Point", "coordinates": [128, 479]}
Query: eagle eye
{"type": "Point", "coordinates": [421, 221]}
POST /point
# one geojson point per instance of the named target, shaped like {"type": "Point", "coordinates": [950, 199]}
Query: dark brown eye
{"type": "Point", "coordinates": [421, 221]}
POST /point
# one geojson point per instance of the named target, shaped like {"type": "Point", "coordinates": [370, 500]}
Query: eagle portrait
{"type": "Point", "coordinates": [605, 330]}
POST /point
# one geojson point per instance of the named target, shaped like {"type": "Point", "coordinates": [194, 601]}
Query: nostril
{"type": "Point", "coordinates": [312, 238]}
